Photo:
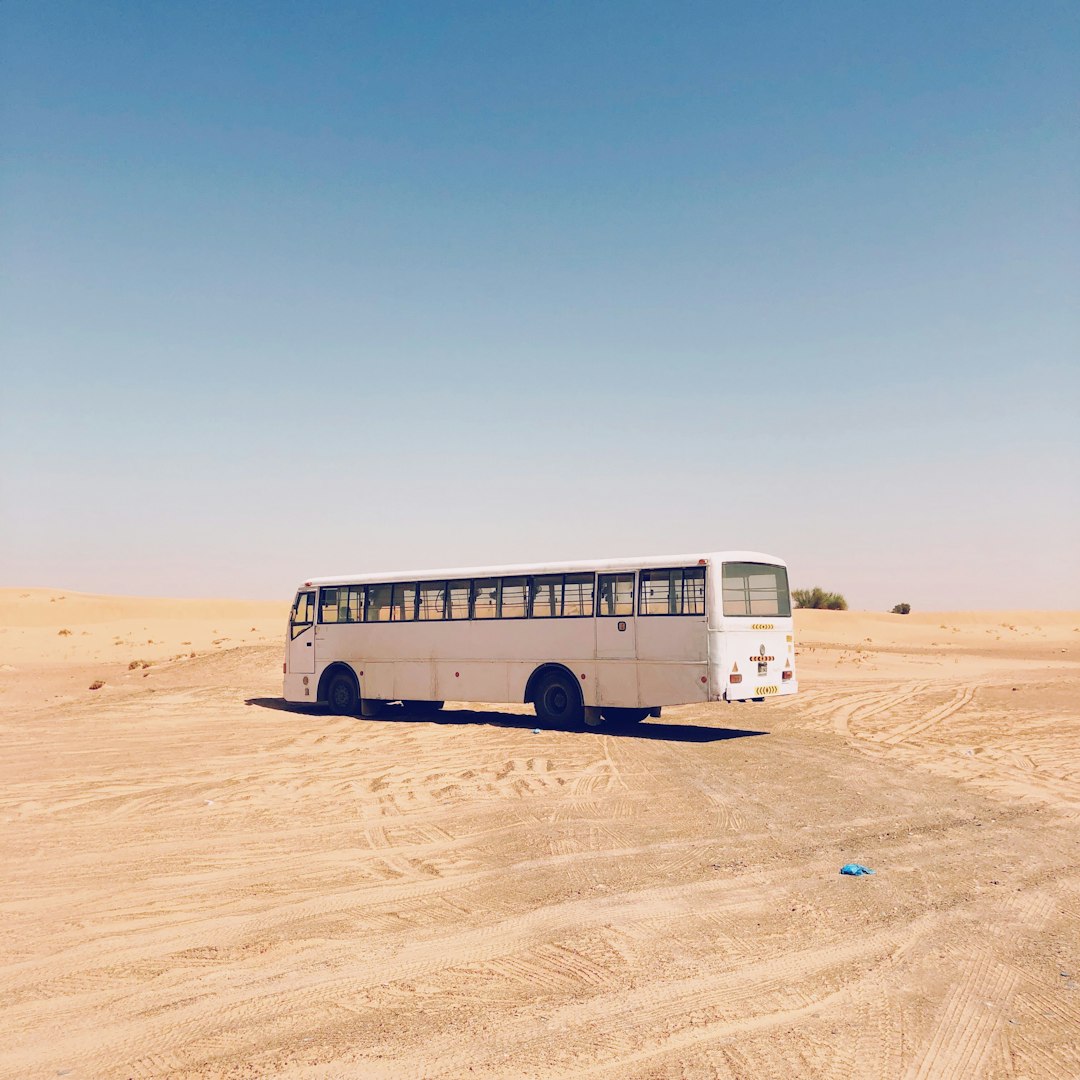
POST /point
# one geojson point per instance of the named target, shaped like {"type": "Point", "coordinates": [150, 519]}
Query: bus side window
{"type": "Point", "coordinates": [512, 595]}
{"type": "Point", "coordinates": [350, 606]}
{"type": "Point", "coordinates": [657, 595]}
{"type": "Point", "coordinates": [616, 594]}
{"type": "Point", "coordinates": [672, 592]}
{"type": "Point", "coordinates": [303, 614]}
{"type": "Point", "coordinates": [578, 595]}
{"type": "Point", "coordinates": [432, 599]}
{"type": "Point", "coordinates": [546, 599]}
{"type": "Point", "coordinates": [458, 594]}
{"type": "Point", "coordinates": [693, 590]}
{"type": "Point", "coordinates": [486, 598]}
{"type": "Point", "coordinates": [404, 601]}
{"type": "Point", "coordinates": [378, 603]}
{"type": "Point", "coordinates": [328, 605]}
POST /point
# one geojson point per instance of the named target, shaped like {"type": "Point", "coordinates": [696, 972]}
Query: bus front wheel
{"type": "Point", "coordinates": [558, 700]}
{"type": "Point", "coordinates": [343, 695]}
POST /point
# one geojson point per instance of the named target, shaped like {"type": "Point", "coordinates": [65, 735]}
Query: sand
{"type": "Point", "coordinates": [198, 882]}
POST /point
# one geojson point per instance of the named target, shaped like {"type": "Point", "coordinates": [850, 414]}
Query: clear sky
{"type": "Point", "coordinates": [294, 289]}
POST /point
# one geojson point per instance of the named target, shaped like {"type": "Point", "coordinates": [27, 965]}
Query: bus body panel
{"type": "Point", "coordinates": [673, 683]}
{"type": "Point", "coordinates": [617, 683]}
{"type": "Point", "coordinates": [679, 638]}
{"type": "Point", "coordinates": [673, 654]}
{"type": "Point", "coordinates": [760, 656]}
{"type": "Point", "coordinates": [300, 688]}
{"type": "Point", "coordinates": [471, 680]}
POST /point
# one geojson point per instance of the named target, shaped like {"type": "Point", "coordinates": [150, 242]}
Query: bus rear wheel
{"type": "Point", "coordinates": [626, 717]}
{"type": "Point", "coordinates": [558, 700]}
{"type": "Point", "coordinates": [343, 695]}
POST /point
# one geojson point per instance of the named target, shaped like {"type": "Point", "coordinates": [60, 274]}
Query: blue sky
{"type": "Point", "coordinates": [296, 289]}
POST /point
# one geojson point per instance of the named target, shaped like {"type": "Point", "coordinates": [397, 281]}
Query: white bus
{"type": "Point", "coordinates": [610, 640]}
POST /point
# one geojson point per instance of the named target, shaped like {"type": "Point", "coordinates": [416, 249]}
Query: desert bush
{"type": "Point", "coordinates": [63, 633]}
{"type": "Point", "coordinates": [819, 598]}
{"type": "Point", "coordinates": [902, 609]}
{"type": "Point", "coordinates": [97, 684]}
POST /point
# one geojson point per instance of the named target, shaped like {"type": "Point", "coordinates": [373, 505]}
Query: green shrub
{"type": "Point", "coordinates": [902, 609]}
{"type": "Point", "coordinates": [819, 598]}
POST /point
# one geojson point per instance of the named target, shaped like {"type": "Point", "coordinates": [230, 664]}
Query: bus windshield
{"type": "Point", "coordinates": [756, 589]}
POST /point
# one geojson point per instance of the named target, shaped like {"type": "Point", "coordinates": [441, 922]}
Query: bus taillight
{"type": "Point", "coordinates": [787, 674]}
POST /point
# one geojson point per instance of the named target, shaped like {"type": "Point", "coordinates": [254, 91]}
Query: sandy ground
{"type": "Point", "coordinates": [198, 882]}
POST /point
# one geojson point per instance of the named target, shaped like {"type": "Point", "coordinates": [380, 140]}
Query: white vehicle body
{"type": "Point", "coordinates": [718, 627]}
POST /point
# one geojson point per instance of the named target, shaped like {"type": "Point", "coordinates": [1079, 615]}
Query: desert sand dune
{"type": "Point", "coordinates": [200, 882]}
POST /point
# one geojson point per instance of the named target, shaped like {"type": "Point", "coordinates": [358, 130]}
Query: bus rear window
{"type": "Point", "coordinates": [756, 589]}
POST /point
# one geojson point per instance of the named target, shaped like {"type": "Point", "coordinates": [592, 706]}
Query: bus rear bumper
{"type": "Point", "coordinates": [757, 691]}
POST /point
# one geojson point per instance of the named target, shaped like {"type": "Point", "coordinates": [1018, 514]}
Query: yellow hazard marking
{"type": "Point", "coordinates": [763, 626]}
{"type": "Point", "coordinates": [761, 690]}
{"type": "Point", "coordinates": [761, 659]}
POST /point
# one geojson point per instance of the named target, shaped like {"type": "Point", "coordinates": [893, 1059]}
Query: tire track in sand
{"type": "Point", "coordinates": [185, 1028]}
{"type": "Point", "coordinates": [961, 698]}
{"type": "Point", "coordinates": [970, 1023]}
{"type": "Point", "coordinates": [866, 706]}
{"type": "Point", "coordinates": [970, 1029]}
{"type": "Point", "coordinates": [625, 1030]}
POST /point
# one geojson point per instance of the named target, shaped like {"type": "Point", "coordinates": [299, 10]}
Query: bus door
{"type": "Point", "coordinates": [302, 634]}
{"type": "Point", "coordinates": [616, 639]}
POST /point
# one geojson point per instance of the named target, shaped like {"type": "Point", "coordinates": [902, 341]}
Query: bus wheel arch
{"type": "Point", "coordinates": [555, 694]}
{"type": "Point", "coordinates": [340, 689]}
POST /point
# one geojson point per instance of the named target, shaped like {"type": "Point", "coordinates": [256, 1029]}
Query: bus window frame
{"type": "Point", "coordinates": [589, 615]}
{"type": "Point", "coordinates": [295, 628]}
{"type": "Point", "coordinates": [528, 598]}
{"type": "Point", "coordinates": [632, 575]}
{"type": "Point", "coordinates": [473, 582]}
{"type": "Point", "coordinates": [682, 593]}
{"type": "Point", "coordinates": [394, 586]}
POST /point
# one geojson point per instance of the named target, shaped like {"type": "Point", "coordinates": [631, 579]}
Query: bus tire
{"type": "Point", "coordinates": [343, 694]}
{"type": "Point", "coordinates": [626, 717]}
{"type": "Point", "coordinates": [557, 700]}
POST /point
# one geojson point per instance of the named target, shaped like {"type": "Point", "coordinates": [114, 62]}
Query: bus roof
{"type": "Point", "coordinates": [634, 563]}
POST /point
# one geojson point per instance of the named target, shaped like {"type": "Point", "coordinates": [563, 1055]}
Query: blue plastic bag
{"type": "Point", "coordinates": [854, 869]}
